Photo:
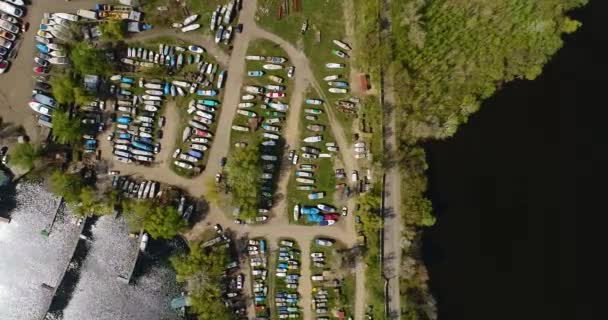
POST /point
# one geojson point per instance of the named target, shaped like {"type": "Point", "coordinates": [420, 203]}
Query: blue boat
{"type": "Point", "coordinates": [209, 93]}
{"type": "Point", "coordinates": [127, 80]}
{"type": "Point", "coordinates": [195, 153]}
{"type": "Point", "coordinates": [42, 48]}
{"type": "Point", "coordinates": [340, 84]}
{"type": "Point", "coordinates": [124, 120]}
{"type": "Point", "coordinates": [146, 140]}
{"type": "Point", "coordinates": [142, 146]}
{"type": "Point", "coordinates": [124, 136]}
{"type": "Point", "coordinates": [262, 246]}
{"type": "Point", "coordinates": [314, 218]}
{"type": "Point", "coordinates": [310, 211]}
{"type": "Point", "coordinates": [46, 118]}
{"type": "Point", "coordinates": [283, 265]}
{"type": "Point", "coordinates": [167, 88]}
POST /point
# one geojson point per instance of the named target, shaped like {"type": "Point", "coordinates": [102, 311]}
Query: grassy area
{"type": "Point", "coordinates": [326, 23]}
{"type": "Point", "coordinates": [293, 262]}
{"type": "Point", "coordinates": [371, 127]}
{"type": "Point", "coordinates": [339, 297]}
{"type": "Point", "coordinates": [261, 111]}
{"type": "Point", "coordinates": [324, 174]}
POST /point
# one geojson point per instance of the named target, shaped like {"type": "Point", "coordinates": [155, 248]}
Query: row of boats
{"type": "Point", "coordinates": [221, 18]}
{"type": "Point", "coordinates": [134, 136]}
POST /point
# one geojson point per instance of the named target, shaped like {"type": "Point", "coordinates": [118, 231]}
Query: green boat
{"type": "Point", "coordinates": [305, 187]}
{"type": "Point", "coordinates": [274, 114]}
{"type": "Point", "coordinates": [208, 102]}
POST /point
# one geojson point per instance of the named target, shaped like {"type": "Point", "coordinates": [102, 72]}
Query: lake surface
{"type": "Point", "coordinates": [520, 189]}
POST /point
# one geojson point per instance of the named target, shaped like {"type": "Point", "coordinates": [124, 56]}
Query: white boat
{"type": "Point", "coordinates": [196, 49]}
{"type": "Point", "coordinates": [16, 2]}
{"type": "Point", "coordinates": [248, 97]}
{"type": "Point", "coordinates": [200, 140]}
{"type": "Point", "coordinates": [338, 90]}
{"type": "Point", "coordinates": [58, 60]}
{"type": "Point", "coordinates": [255, 58]}
{"type": "Point", "coordinates": [44, 34]}
{"type": "Point", "coordinates": [177, 25]}
{"type": "Point", "coordinates": [57, 53]}
{"type": "Point", "coordinates": [182, 84]}
{"type": "Point", "coordinates": [271, 66]}
{"type": "Point", "coordinates": [332, 77]}
{"type": "Point", "coordinates": [183, 165]}
{"type": "Point", "coordinates": [246, 104]}
{"type": "Point", "coordinates": [180, 92]}
{"type": "Point", "coordinates": [186, 133]}
{"type": "Point", "coordinates": [191, 27]}
{"type": "Point", "coordinates": [149, 97]}
{"type": "Point", "coordinates": [240, 128]}
{"type": "Point", "coordinates": [66, 16]}
{"type": "Point", "coordinates": [296, 212]}
{"type": "Point", "coordinates": [313, 101]}
{"type": "Point", "coordinates": [40, 108]}
{"type": "Point", "coordinates": [219, 34]}
{"type": "Point", "coordinates": [156, 86]}
{"type": "Point", "coordinates": [155, 92]}
{"type": "Point", "coordinates": [199, 147]}
{"type": "Point", "coordinates": [54, 46]}
{"type": "Point", "coordinates": [152, 103]}
{"type": "Point", "coordinates": [342, 45]}
{"type": "Point", "coordinates": [313, 139]}
{"type": "Point", "coordinates": [116, 77]}
{"type": "Point", "coordinates": [333, 65]}
{"type": "Point", "coordinates": [150, 108]}
{"type": "Point", "coordinates": [190, 19]}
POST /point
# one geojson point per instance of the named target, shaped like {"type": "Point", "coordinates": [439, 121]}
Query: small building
{"type": "Point", "coordinates": [91, 83]}
{"type": "Point", "coordinates": [363, 82]}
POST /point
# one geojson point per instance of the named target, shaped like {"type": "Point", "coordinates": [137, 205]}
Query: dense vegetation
{"type": "Point", "coordinates": [66, 129]}
{"type": "Point", "coordinates": [87, 59]}
{"type": "Point", "coordinates": [244, 169]}
{"type": "Point", "coordinates": [113, 30]}
{"type": "Point", "coordinates": [160, 221]}
{"type": "Point", "coordinates": [82, 197]}
{"type": "Point", "coordinates": [202, 269]}
{"type": "Point", "coordinates": [450, 55]}
{"type": "Point", "coordinates": [25, 155]}
{"type": "Point", "coordinates": [66, 90]}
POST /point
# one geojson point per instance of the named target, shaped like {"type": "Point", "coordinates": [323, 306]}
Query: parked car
{"type": "Point", "coordinates": [3, 66]}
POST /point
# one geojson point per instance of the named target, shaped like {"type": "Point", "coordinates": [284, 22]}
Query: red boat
{"type": "Point", "coordinates": [201, 133]}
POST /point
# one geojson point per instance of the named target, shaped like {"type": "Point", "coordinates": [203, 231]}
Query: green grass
{"type": "Point", "coordinates": [371, 127]}
{"type": "Point", "coordinates": [341, 298]}
{"type": "Point", "coordinates": [324, 171]}
{"type": "Point", "coordinates": [265, 48]}
{"type": "Point", "coordinates": [325, 18]}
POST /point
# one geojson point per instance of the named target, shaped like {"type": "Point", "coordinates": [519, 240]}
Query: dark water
{"type": "Point", "coordinates": [521, 189]}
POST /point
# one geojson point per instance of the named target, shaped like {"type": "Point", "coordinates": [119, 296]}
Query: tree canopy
{"type": "Point", "coordinates": [160, 221]}
{"type": "Point", "coordinates": [87, 59]}
{"type": "Point", "coordinates": [66, 185]}
{"type": "Point", "coordinates": [24, 155]}
{"type": "Point", "coordinates": [450, 55]}
{"type": "Point", "coordinates": [203, 269]}
{"type": "Point", "coordinates": [244, 169]}
{"type": "Point", "coordinates": [66, 90]}
{"type": "Point", "coordinates": [67, 130]}
{"type": "Point", "coordinates": [113, 30]}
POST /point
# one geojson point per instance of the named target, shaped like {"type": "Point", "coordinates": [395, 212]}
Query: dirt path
{"type": "Point", "coordinates": [392, 188]}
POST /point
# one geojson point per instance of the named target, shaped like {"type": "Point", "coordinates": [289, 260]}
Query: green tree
{"type": "Point", "coordinates": [89, 203]}
{"type": "Point", "coordinates": [66, 185]}
{"type": "Point", "coordinates": [25, 155]}
{"type": "Point", "coordinates": [67, 130]}
{"type": "Point", "coordinates": [203, 270]}
{"type": "Point", "coordinates": [87, 59]}
{"type": "Point", "coordinates": [244, 169]}
{"type": "Point", "coordinates": [63, 88]}
{"type": "Point", "coordinates": [113, 30]}
{"type": "Point", "coordinates": [159, 221]}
